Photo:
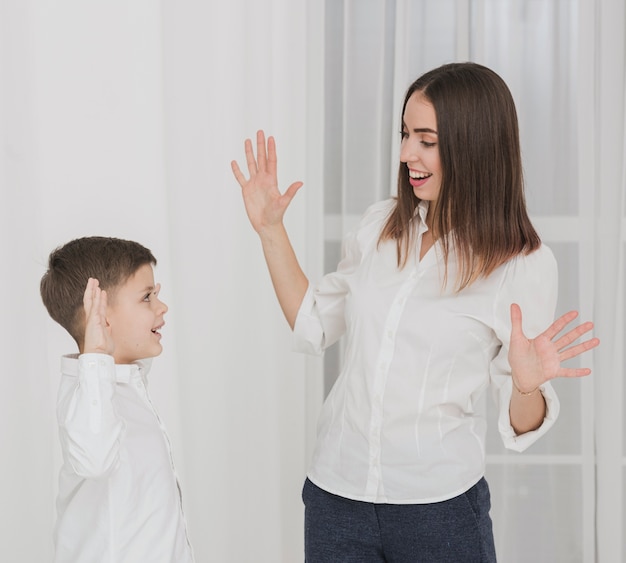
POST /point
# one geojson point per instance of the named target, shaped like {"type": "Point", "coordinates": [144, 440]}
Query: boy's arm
{"type": "Point", "coordinates": [89, 427]}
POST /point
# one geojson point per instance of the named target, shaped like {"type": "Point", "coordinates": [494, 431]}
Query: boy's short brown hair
{"type": "Point", "coordinates": [110, 260]}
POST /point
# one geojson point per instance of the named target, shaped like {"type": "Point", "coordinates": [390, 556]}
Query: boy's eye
{"type": "Point", "coordinates": [147, 296]}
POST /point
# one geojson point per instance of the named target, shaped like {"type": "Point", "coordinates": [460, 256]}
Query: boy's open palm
{"type": "Point", "coordinates": [97, 331]}
{"type": "Point", "coordinates": [265, 205]}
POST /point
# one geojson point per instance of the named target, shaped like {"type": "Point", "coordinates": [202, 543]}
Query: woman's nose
{"type": "Point", "coordinates": [407, 151]}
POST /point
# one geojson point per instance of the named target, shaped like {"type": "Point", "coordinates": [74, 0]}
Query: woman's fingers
{"type": "Point", "coordinates": [241, 179]}
{"type": "Point", "coordinates": [271, 156]}
{"type": "Point", "coordinates": [261, 154]}
{"type": "Point", "coordinates": [572, 335]}
{"type": "Point", "coordinates": [578, 349]}
{"type": "Point", "coordinates": [516, 320]}
{"type": "Point", "coordinates": [250, 160]}
{"type": "Point", "coordinates": [558, 325]}
{"type": "Point", "coordinates": [265, 159]}
{"type": "Point", "coordinates": [573, 372]}
{"type": "Point", "coordinates": [291, 191]}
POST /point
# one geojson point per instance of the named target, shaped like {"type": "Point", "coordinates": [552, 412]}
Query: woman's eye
{"type": "Point", "coordinates": [428, 144]}
{"type": "Point", "coordinates": [403, 134]}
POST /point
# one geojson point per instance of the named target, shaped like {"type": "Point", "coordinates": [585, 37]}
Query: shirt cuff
{"type": "Point", "coordinates": [521, 442]}
{"type": "Point", "coordinates": [96, 374]}
{"type": "Point", "coordinates": [308, 335]}
{"type": "Point", "coordinates": [94, 365]}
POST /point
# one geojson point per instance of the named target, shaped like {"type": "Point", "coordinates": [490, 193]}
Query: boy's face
{"type": "Point", "coordinates": [135, 315]}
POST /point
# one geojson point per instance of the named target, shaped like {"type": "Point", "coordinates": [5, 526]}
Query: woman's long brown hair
{"type": "Point", "coordinates": [481, 209]}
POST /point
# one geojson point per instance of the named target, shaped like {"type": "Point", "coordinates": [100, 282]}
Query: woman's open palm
{"type": "Point", "coordinates": [537, 360]}
{"type": "Point", "coordinates": [264, 203]}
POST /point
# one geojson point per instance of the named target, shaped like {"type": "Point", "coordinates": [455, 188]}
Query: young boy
{"type": "Point", "coordinates": [119, 499]}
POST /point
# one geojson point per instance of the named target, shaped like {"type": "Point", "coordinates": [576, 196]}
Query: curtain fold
{"type": "Point", "coordinates": [609, 111]}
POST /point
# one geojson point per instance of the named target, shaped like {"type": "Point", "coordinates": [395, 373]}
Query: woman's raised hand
{"type": "Point", "coordinates": [537, 360]}
{"type": "Point", "coordinates": [264, 203]}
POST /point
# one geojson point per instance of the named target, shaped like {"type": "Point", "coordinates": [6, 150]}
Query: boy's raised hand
{"type": "Point", "coordinates": [535, 361]}
{"type": "Point", "coordinates": [97, 332]}
{"type": "Point", "coordinates": [265, 205]}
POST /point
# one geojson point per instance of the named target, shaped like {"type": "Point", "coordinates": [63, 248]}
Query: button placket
{"type": "Point", "coordinates": [385, 357]}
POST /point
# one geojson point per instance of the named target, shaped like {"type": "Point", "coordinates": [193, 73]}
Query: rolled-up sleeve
{"type": "Point", "coordinates": [531, 282]}
{"type": "Point", "coordinates": [321, 318]}
{"type": "Point", "coordinates": [89, 427]}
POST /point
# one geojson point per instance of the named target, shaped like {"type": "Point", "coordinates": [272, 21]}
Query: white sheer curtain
{"type": "Point", "coordinates": [564, 499]}
{"type": "Point", "coordinates": [121, 118]}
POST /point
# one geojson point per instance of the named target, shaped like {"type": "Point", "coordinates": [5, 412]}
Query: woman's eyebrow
{"type": "Point", "coordinates": [420, 129]}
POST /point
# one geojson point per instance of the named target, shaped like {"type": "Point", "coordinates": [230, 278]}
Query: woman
{"type": "Point", "coordinates": [429, 295]}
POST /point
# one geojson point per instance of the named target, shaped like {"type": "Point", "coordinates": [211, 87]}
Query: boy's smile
{"type": "Point", "coordinates": [135, 317]}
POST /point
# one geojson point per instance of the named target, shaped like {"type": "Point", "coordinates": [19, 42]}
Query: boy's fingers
{"type": "Point", "coordinates": [88, 295]}
{"type": "Point", "coordinates": [103, 303]}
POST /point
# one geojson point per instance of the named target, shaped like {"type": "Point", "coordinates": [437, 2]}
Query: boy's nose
{"type": "Point", "coordinates": [162, 307]}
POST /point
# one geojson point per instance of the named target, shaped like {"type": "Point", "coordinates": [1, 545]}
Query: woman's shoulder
{"type": "Point", "coordinates": [542, 255]}
{"type": "Point", "coordinates": [380, 210]}
{"type": "Point", "coordinates": [540, 265]}
{"type": "Point", "coordinates": [366, 232]}
{"type": "Point", "coordinates": [375, 216]}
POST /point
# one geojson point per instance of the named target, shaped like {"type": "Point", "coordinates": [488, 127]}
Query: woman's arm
{"type": "Point", "coordinates": [266, 207]}
{"type": "Point", "coordinates": [535, 361]}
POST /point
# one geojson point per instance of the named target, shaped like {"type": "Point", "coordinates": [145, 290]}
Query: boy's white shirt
{"type": "Point", "coordinates": [119, 499]}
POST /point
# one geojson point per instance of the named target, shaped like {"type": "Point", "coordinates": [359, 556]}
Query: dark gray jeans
{"type": "Point", "coordinates": [340, 530]}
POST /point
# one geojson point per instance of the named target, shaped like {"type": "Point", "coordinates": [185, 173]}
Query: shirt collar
{"type": "Point", "coordinates": [422, 210]}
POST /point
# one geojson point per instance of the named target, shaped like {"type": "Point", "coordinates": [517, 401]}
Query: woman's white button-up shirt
{"type": "Point", "coordinates": [400, 425]}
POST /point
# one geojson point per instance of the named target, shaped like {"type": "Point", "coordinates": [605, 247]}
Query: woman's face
{"type": "Point", "coordinates": [419, 149]}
